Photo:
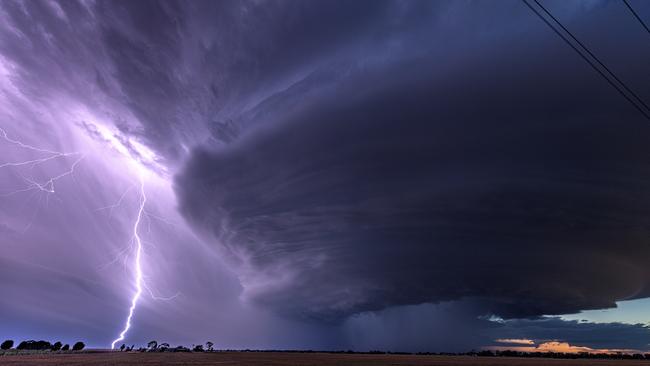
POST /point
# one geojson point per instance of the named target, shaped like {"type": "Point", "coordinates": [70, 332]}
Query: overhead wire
{"type": "Point", "coordinates": [621, 89]}
{"type": "Point", "coordinates": [629, 7]}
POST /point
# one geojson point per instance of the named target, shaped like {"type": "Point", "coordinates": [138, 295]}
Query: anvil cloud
{"type": "Point", "coordinates": [325, 171]}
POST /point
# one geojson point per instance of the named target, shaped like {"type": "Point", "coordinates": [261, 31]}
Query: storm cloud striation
{"type": "Point", "coordinates": [517, 184]}
{"type": "Point", "coordinates": [406, 194]}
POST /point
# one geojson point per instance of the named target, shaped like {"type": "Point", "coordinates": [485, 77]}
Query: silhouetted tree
{"type": "Point", "coordinates": [65, 347]}
{"type": "Point", "coordinates": [122, 347]}
{"type": "Point", "coordinates": [34, 345]}
{"type": "Point", "coordinates": [7, 344]}
{"type": "Point", "coordinates": [152, 345]}
{"type": "Point", "coordinates": [198, 348]}
{"type": "Point", "coordinates": [57, 346]}
{"type": "Point", "coordinates": [163, 346]}
{"type": "Point", "coordinates": [209, 345]}
{"type": "Point", "coordinates": [78, 346]}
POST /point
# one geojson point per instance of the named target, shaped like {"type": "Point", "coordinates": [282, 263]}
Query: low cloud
{"type": "Point", "coordinates": [515, 341]}
{"type": "Point", "coordinates": [398, 194]}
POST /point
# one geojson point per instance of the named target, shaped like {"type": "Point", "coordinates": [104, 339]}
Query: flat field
{"type": "Point", "coordinates": [287, 359]}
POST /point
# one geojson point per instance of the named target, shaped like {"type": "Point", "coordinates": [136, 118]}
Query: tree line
{"type": "Point", "coordinates": [589, 355]}
{"type": "Point", "coordinates": [154, 346]}
{"type": "Point", "coordinates": [32, 345]}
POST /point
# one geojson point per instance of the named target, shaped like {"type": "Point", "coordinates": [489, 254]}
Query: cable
{"type": "Point", "coordinates": [593, 56]}
{"type": "Point", "coordinates": [644, 113]}
{"type": "Point", "coordinates": [636, 16]}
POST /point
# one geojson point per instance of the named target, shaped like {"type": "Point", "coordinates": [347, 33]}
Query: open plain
{"type": "Point", "coordinates": [290, 359]}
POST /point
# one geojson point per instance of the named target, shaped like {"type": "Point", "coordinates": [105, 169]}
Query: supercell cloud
{"type": "Point", "coordinates": [509, 179]}
{"type": "Point", "coordinates": [337, 169]}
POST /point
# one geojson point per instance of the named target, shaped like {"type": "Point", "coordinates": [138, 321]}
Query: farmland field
{"type": "Point", "coordinates": [286, 359]}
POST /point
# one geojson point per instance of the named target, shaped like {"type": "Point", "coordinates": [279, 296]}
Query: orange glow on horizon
{"type": "Point", "coordinates": [553, 346]}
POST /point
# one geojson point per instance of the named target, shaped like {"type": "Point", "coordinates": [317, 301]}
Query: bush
{"type": "Point", "coordinates": [7, 344]}
{"type": "Point", "coordinates": [65, 348]}
{"type": "Point", "coordinates": [78, 346]}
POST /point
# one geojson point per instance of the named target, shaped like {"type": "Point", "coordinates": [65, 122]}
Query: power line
{"type": "Point", "coordinates": [593, 56]}
{"type": "Point", "coordinates": [590, 62]}
{"type": "Point", "coordinates": [636, 16]}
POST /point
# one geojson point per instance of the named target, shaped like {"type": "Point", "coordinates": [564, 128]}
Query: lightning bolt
{"type": "Point", "coordinates": [117, 204]}
{"type": "Point", "coordinates": [48, 186]}
{"type": "Point", "coordinates": [139, 279]}
{"type": "Point", "coordinates": [138, 265]}
{"type": "Point", "coordinates": [6, 137]}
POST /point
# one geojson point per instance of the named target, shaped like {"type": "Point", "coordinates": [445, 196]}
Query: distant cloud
{"type": "Point", "coordinates": [556, 333]}
{"type": "Point", "coordinates": [515, 341]}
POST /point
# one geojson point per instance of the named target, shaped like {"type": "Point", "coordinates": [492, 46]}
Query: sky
{"type": "Point", "coordinates": [395, 175]}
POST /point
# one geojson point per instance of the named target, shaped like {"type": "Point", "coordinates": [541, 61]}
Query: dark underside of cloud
{"type": "Point", "coordinates": [521, 185]}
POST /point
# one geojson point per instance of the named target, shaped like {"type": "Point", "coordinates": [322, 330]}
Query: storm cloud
{"type": "Point", "coordinates": [515, 179]}
{"type": "Point", "coordinates": [404, 175]}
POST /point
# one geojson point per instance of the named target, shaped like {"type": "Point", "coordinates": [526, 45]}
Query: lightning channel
{"type": "Point", "coordinates": [47, 186]}
{"type": "Point", "coordinates": [32, 184]}
{"type": "Point", "coordinates": [138, 265]}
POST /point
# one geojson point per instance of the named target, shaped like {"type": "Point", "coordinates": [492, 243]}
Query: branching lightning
{"type": "Point", "coordinates": [31, 184]}
{"type": "Point", "coordinates": [48, 185]}
{"type": "Point", "coordinates": [138, 265]}
{"type": "Point", "coordinates": [117, 204]}
{"type": "Point", "coordinates": [138, 155]}
{"type": "Point", "coordinates": [143, 159]}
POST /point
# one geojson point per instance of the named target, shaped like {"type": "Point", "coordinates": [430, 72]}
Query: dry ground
{"type": "Point", "coordinates": [286, 359]}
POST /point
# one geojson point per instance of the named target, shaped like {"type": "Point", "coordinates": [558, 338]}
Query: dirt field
{"type": "Point", "coordinates": [286, 359]}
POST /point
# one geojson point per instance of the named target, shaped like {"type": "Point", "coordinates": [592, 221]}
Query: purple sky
{"type": "Point", "coordinates": [399, 175]}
